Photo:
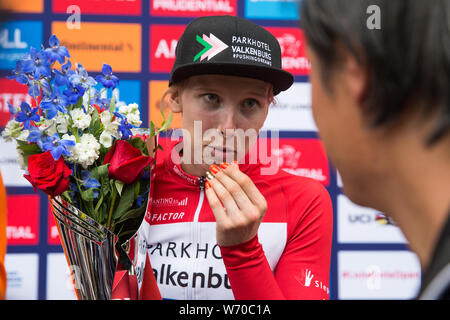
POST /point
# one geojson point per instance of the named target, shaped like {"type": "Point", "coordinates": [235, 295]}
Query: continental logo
{"type": "Point", "coordinates": [156, 91]}
{"type": "Point", "coordinates": [118, 44]}
{"type": "Point", "coordinates": [24, 6]}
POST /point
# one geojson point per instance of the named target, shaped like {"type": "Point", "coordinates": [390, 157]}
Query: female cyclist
{"type": "Point", "coordinates": [219, 226]}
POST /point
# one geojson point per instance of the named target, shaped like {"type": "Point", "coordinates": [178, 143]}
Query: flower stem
{"type": "Point", "coordinates": [114, 195]}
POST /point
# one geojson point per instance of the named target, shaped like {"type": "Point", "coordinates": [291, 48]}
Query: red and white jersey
{"type": "Point", "coordinates": [288, 259]}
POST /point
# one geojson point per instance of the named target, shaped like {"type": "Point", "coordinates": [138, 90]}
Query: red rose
{"type": "Point", "coordinates": [48, 175]}
{"type": "Point", "coordinates": [127, 162]}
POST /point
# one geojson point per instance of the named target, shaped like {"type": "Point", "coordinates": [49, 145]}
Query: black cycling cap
{"type": "Point", "coordinates": [229, 45]}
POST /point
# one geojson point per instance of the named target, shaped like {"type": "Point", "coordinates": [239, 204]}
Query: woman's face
{"type": "Point", "coordinates": [222, 115]}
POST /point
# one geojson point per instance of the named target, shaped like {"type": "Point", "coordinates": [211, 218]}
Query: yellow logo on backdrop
{"type": "Point", "coordinates": [27, 6]}
{"type": "Point", "coordinates": [117, 44]}
{"type": "Point", "coordinates": [156, 90]}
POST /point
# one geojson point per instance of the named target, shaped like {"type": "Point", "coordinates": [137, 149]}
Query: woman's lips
{"type": "Point", "coordinates": [221, 151]}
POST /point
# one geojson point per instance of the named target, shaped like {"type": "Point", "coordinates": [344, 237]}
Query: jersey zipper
{"type": "Point", "coordinates": [196, 228]}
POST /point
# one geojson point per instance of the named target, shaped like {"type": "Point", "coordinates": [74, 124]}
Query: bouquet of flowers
{"type": "Point", "coordinates": [78, 146]}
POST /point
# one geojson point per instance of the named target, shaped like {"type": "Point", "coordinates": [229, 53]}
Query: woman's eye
{"type": "Point", "coordinates": [211, 98]}
{"type": "Point", "coordinates": [251, 103]}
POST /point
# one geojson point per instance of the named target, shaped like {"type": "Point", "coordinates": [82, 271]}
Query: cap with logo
{"type": "Point", "coordinates": [229, 45]}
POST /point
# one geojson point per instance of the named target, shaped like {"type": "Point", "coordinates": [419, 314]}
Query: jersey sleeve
{"type": "Point", "coordinates": [303, 269]}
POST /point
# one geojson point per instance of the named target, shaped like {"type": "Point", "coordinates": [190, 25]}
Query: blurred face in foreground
{"type": "Point", "coordinates": [222, 116]}
{"type": "Point", "coordinates": [353, 147]}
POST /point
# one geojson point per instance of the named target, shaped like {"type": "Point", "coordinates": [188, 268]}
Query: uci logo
{"type": "Point", "coordinates": [360, 218]}
{"type": "Point", "coordinates": [369, 218]}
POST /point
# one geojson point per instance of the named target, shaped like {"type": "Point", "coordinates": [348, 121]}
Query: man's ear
{"type": "Point", "coordinates": [357, 79]}
{"type": "Point", "coordinates": [172, 99]}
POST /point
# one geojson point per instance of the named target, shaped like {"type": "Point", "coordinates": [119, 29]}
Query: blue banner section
{"type": "Point", "coordinates": [272, 9]}
{"type": "Point", "coordinates": [128, 91]}
{"type": "Point", "coordinates": [16, 38]}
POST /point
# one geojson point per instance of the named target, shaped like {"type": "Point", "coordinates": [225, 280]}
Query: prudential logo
{"type": "Point", "coordinates": [212, 46]}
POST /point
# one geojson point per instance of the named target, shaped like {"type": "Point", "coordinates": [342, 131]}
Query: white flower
{"type": "Point", "coordinates": [49, 125]}
{"type": "Point", "coordinates": [106, 117]}
{"type": "Point", "coordinates": [80, 119]}
{"type": "Point", "coordinates": [86, 151]}
{"type": "Point", "coordinates": [21, 160]}
{"type": "Point", "coordinates": [69, 137]}
{"type": "Point", "coordinates": [106, 139]}
{"type": "Point", "coordinates": [110, 127]}
{"type": "Point", "coordinates": [23, 135]}
{"type": "Point", "coordinates": [12, 130]}
{"type": "Point", "coordinates": [132, 113]}
{"type": "Point", "coordinates": [62, 121]}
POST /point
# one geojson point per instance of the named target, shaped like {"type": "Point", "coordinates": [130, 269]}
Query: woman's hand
{"type": "Point", "coordinates": [236, 202]}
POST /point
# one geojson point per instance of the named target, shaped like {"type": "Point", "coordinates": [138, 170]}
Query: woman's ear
{"type": "Point", "coordinates": [172, 99]}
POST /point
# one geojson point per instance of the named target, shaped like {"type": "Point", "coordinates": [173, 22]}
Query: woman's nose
{"type": "Point", "coordinates": [227, 124]}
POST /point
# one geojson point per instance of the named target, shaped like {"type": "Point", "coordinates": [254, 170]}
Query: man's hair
{"type": "Point", "coordinates": [407, 57]}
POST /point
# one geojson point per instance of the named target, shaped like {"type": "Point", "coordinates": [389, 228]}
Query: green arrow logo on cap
{"type": "Point", "coordinates": [212, 46]}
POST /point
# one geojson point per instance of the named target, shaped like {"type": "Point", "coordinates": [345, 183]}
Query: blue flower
{"type": "Point", "coordinates": [26, 115]}
{"type": "Point", "coordinates": [35, 136]}
{"type": "Point", "coordinates": [41, 63]}
{"type": "Point", "coordinates": [54, 103]}
{"type": "Point", "coordinates": [22, 68]}
{"type": "Point", "coordinates": [81, 77]}
{"type": "Point", "coordinates": [12, 110]}
{"type": "Point", "coordinates": [103, 103]}
{"type": "Point", "coordinates": [62, 77]}
{"type": "Point", "coordinates": [107, 79]}
{"type": "Point", "coordinates": [124, 127]}
{"type": "Point", "coordinates": [57, 146]}
{"type": "Point", "coordinates": [89, 182]}
{"type": "Point", "coordinates": [56, 52]}
{"type": "Point", "coordinates": [74, 93]}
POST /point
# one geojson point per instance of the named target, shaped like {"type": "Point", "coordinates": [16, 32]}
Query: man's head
{"type": "Point", "coordinates": [370, 79]}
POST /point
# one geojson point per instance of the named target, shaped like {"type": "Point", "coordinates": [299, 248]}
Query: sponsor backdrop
{"type": "Point", "coordinates": [370, 257]}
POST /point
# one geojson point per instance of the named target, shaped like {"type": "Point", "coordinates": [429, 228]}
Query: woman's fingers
{"type": "Point", "coordinates": [229, 193]}
{"type": "Point", "coordinates": [242, 187]}
{"type": "Point", "coordinates": [232, 189]}
{"type": "Point", "coordinates": [215, 204]}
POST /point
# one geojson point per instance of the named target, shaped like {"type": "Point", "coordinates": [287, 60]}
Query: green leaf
{"type": "Point", "coordinates": [100, 172]}
{"type": "Point", "coordinates": [125, 201]}
{"type": "Point", "coordinates": [137, 187]}
{"type": "Point", "coordinates": [112, 105]}
{"type": "Point", "coordinates": [152, 129]}
{"type": "Point", "coordinates": [79, 103]}
{"type": "Point", "coordinates": [119, 186]}
{"type": "Point", "coordinates": [167, 123]}
{"type": "Point", "coordinates": [95, 124]}
{"type": "Point", "coordinates": [163, 115]}
{"type": "Point", "coordinates": [133, 213]}
{"type": "Point", "coordinates": [138, 143]}
{"type": "Point", "coordinates": [88, 195]}
{"type": "Point", "coordinates": [28, 149]}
